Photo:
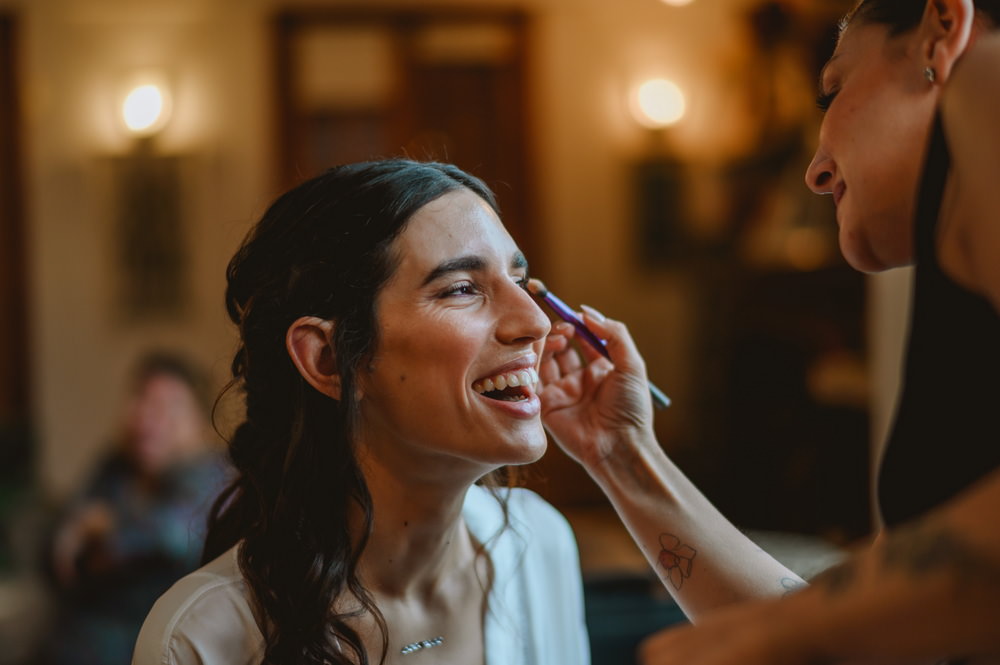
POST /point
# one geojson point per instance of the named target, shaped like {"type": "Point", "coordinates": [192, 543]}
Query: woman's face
{"type": "Point", "coordinates": [453, 316]}
{"type": "Point", "coordinates": [872, 143]}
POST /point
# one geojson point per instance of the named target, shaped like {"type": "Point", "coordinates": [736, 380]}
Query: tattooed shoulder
{"type": "Point", "coordinates": [929, 547]}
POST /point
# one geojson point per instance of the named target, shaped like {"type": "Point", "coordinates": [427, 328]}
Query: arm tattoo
{"type": "Point", "coordinates": [919, 551]}
{"type": "Point", "coordinates": [791, 585]}
{"type": "Point", "coordinates": [837, 579]}
{"type": "Point", "coordinates": [927, 548]}
{"type": "Point", "coordinates": [676, 558]}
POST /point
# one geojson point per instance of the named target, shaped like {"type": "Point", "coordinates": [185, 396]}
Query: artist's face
{"type": "Point", "coordinates": [872, 144]}
{"type": "Point", "coordinates": [454, 315]}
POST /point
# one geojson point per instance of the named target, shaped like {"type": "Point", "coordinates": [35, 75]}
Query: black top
{"type": "Point", "coordinates": [947, 429]}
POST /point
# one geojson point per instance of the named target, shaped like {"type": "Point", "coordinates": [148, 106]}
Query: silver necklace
{"type": "Point", "coordinates": [413, 647]}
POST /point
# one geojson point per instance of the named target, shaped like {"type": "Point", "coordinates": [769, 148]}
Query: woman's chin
{"type": "Point", "coordinates": [528, 451]}
{"type": "Point", "coordinates": [859, 254]}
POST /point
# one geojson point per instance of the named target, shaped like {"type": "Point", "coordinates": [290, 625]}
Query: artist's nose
{"type": "Point", "coordinates": [821, 174]}
{"type": "Point", "coordinates": [521, 319]}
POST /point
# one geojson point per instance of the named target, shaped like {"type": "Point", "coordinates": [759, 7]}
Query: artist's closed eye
{"type": "Point", "coordinates": [824, 99]}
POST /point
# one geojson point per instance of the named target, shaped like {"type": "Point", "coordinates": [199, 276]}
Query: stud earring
{"type": "Point", "coordinates": [930, 74]}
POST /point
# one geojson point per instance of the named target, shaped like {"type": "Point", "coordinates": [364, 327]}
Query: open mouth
{"type": "Point", "coordinates": [508, 386]}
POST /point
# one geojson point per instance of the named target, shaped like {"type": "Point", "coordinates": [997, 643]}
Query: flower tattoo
{"type": "Point", "coordinates": [676, 558]}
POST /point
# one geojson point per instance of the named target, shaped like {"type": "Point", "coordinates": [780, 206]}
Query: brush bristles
{"type": "Point", "coordinates": [536, 287]}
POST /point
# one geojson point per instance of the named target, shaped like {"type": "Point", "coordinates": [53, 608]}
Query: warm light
{"type": "Point", "coordinates": [678, 3]}
{"type": "Point", "coordinates": [659, 103]}
{"type": "Point", "coordinates": [145, 109]}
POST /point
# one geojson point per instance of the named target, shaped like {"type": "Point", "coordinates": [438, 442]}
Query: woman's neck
{"type": "Point", "coordinates": [419, 541]}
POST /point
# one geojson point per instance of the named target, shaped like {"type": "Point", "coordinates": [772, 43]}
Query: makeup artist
{"type": "Point", "coordinates": [910, 150]}
{"type": "Point", "coordinates": [388, 358]}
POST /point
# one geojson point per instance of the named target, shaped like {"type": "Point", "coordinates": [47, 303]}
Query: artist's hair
{"type": "Point", "coordinates": [901, 16]}
{"type": "Point", "coordinates": [323, 249]}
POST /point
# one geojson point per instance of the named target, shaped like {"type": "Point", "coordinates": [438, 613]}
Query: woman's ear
{"type": "Point", "coordinates": [309, 341]}
{"type": "Point", "coordinates": [946, 30]}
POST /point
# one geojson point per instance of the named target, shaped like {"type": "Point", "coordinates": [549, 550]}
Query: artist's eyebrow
{"type": "Point", "coordinates": [469, 263]}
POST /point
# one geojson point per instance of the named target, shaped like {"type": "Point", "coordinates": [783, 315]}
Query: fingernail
{"type": "Point", "coordinates": [593, 312]}
{"type": "Point", "coordinates": [563, 328]}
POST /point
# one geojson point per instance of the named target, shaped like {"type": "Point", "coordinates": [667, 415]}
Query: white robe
{"type": "Point", "coordinates": [535, 612]}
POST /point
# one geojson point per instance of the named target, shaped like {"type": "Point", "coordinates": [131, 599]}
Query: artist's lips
{"type": "Point", "coordinates": [838, 192]}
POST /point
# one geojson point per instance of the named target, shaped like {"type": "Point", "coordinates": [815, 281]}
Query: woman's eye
{"type": "Point", "coordinates": [461, 289]}
{"type": "Point", "coordinates": [824, 99]}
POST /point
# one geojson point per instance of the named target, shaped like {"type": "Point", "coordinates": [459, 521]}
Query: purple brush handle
{"type": "Point", "coordinates": [567, 314]}
{"type": "Point", "coordinates": [660, 400]}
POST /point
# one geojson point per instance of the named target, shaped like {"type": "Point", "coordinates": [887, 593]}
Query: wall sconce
{"type": "Point", "coordinates": [658, 103]}
{"type": "Point", "coordinates": [146, 109]}
{"type": "Point", "coordinates": [659, 177]}
{"type": "Point", "coordinates": [152, 252]}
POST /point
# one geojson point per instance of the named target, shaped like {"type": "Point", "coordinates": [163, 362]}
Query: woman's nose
{"type": "Point", "coordinates": [522, 320]}
{"type": "Point", "coordinates": [821, 173]}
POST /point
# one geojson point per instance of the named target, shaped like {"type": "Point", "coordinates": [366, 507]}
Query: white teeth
{"type": "Point", "coordinates": [525, 377]}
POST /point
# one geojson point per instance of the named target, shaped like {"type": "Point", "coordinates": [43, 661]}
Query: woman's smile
{"type": "Point", "coordinates": [511, 388]}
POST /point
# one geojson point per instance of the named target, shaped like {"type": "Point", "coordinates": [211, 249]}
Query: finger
{"type": "Point", "coordinates": [598, 370]}
{"type": "Point", "coordinates": [556, 365]}
{"type": "Point", "coordinates": [554, 343]}
{"type": "Point", "coordinates": [563, 328]}
{"type": "Point", "coordinates": [665, 646]}
{"type": "Point", "coordinates": [568, 361]}
{"type": "Point", "coordinates": [554, 398]}
{"type": "Point", "coordinates": [620, 345]}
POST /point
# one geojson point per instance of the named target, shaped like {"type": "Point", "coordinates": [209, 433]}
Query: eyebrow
{"type": "Point", "coordinates": [470, 263]}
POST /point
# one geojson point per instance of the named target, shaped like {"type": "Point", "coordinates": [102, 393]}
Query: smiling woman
{"type": "Point", "coordinates": [389, 359]}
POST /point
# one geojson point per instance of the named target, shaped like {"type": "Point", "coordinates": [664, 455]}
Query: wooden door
{"type": "Point", "coordinates": [445, 84]}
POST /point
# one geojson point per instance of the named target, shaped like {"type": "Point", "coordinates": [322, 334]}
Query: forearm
{"type": "Point", "coordinates": [928, 590]}
{"type": "Point", "coordinates": [704, 561]}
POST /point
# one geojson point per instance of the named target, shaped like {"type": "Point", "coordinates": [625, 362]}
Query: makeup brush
{"type": "Point", "coordinates": [537, 288]}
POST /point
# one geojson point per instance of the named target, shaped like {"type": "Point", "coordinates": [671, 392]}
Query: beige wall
{"type": "Point", "coordinates": [587, 55]}
{"type": "Point", "coordinates": [75, 54]}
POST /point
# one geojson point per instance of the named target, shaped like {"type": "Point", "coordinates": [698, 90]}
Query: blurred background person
{"type": "Point", "coordinates": [138, 524]}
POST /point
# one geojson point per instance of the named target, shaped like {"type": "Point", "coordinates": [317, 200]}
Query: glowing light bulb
{"type": "Point", "coordinates": [659, 103]}
{"type": "Point", "coordinates": [144, 110]}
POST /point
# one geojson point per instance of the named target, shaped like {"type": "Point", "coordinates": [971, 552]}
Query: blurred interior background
{"type": "Point", "coordinates": [649, 159]}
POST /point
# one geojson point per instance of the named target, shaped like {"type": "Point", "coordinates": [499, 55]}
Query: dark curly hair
{"type": "Point", "coordinates": [901, 16]}
{"type": "Point", "coordinates": [323, 249]}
